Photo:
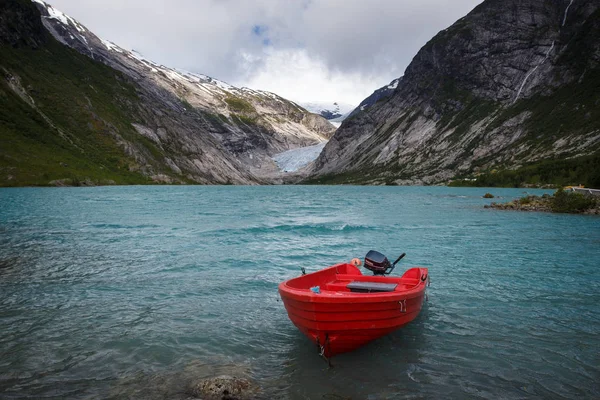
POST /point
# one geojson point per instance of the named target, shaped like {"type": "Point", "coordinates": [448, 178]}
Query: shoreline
{"type": "Point", "coordinates": [561, 202]}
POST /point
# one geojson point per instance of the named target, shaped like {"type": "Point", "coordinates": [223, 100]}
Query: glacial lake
{"type": "Point", "coordinates": [138, 292]}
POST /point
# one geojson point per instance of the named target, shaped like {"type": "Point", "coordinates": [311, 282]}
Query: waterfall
{"type": "Point", "coordinates": [532, 71]}
{"type": "Point", "coordinates": [566, 11]}
{"type": "Point", "coordinates": [545, 58]}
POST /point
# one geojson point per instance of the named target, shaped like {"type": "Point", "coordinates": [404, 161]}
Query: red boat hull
{"type": "Point", "coordinates": [339, 320]}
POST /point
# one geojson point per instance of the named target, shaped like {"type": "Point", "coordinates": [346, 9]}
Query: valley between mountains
{"type": "Point", "coordinates": [508, 95]}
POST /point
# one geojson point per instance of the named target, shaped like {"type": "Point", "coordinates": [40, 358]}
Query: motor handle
{"type": "Point", "coordinates": [399, 258]}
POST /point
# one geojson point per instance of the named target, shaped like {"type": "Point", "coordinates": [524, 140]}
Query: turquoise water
{"type": "Point", "coordinates": [137, 292]}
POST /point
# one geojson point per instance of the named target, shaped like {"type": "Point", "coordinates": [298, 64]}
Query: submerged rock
{"type": "Point", "coordinates": [198, 379]}
{"type": "Point", "coordinates": [224, 387]}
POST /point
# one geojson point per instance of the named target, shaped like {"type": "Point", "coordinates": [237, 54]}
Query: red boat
{"type": "Point", "coordinates": [340, 309]}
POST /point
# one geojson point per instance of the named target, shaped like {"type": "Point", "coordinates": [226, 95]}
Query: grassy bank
{"type": "Point", "coordinates": [553, 172]}
{"type": "Point", "coordinates": [66, 123]}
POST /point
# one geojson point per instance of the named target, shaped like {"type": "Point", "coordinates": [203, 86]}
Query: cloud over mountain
{"type": "Point", "coordinates": [306, 50]}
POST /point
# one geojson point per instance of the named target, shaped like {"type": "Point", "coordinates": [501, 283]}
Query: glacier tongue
{"type": "Point", "coordinates": [293, 160]}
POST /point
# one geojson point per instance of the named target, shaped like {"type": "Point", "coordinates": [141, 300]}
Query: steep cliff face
{"type": "Point", "coordinates": [17, 28]}
{"type": "Point", "coordinates": [252, 124]}
{"type": "Point", "coordinates": [513, 82]}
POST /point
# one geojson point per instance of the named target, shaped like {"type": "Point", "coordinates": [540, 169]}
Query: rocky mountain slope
{"type": "Point", "coordinates": [253, 124]}
{"type": "Point", "coordinates": [514, 83]}
{"type": "Point", "coordinates": [67, 118]}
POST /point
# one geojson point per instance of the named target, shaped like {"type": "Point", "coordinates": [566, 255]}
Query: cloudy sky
{"type": "Point", "coordinates": [304, 50]}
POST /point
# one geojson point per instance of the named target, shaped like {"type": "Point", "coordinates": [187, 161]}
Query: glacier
{"type": "Point", "coordinates": [293, 160]}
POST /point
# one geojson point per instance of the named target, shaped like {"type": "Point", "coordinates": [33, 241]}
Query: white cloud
{"type": "Point", "coordinates": [305, 50]}
{"type": "Point", "coordinates": [294, 74]}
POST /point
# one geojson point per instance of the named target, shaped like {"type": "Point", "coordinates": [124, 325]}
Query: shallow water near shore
{"type": "Point", "coordinates": [136, 292]}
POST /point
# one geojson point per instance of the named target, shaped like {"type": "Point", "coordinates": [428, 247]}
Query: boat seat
{"type": "Point", "coordinates": [370, 287]}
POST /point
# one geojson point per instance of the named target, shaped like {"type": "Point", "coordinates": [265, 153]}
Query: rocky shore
{"type": "Point", "coordinates": [561, 202]}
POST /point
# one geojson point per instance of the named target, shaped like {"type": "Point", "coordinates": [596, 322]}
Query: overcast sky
{"type": "Point", "coordinates": [304, 50]}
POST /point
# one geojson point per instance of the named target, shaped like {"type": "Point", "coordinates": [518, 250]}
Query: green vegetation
{"type": "Point", "coordinates": [471, 110]}
{"type": "Point", "coordinates": [243, 119]}
{"type": "Point", "coordinates": [187, 104]}
{"type": "Point", "coordinates": [73, 132]}
{"type": "Point", "coordinates": [216, 120]}
{"type": "Point", "coordinates": [344, 178]}
{"type": "Point", "coordinates": [243, 113]}
{"type": "Point", "coordinates": [570, 202]}
{"type": "Point", "coordinates": [570, 110]}
{"type": "Point", "coordinates": [70, 134]}
{"type": "Point", "coordinates": [527, 199]}
{"type": "Point", "coordinates": [239, 105]}
{"type": "Point", "coordinates": [555, 172]}
{"type": "Point", "coordinates": [563, 201]}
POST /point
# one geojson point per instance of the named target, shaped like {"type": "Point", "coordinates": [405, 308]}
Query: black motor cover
{"type": "Point", "coordinates": [377, 262]}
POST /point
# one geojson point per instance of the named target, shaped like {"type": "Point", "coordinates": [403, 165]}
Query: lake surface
{"type": "Point", "coordinates": [137, 292]}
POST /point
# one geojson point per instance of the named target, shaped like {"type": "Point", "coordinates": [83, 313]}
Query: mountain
{"type": "Point", "coordinates": [76, 109]}
{"type": "Point", "coordinates": [252, 124]}
{"type": "Point", "coordinates": [378, 95]}
{"type": "Point", "coordinates": [512, 86]}
{"type": "Point", "coordinates": [65, 119]}
{"type": "Point", "coordinates": [332, 111]}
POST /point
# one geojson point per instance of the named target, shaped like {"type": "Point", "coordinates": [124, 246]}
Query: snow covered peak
{"type": "Point", "coordinates": [329, 110]}
{"type": "Point", "coordinates": [198, 90]}
{"type": "Point", "coordinates": [53, 13]}
{"type": "Point", "coordinates": [383, 92]}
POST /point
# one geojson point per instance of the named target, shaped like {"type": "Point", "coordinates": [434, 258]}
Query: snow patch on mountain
{"type": "Point", "coordinates": [383, 92]}
{"type": "Point", "coordinates": [111, 46]}
{"type": "Point", "coordinates": [293, 160]}
{"type": "Point", "coordinates": [394, 84]}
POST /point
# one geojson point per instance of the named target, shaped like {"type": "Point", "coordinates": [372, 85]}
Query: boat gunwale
{"type": "Point", "coordinates": [332, 296]}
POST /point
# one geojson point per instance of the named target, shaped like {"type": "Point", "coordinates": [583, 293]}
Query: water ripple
{"type": "Point", "coordinates": [137, 292]}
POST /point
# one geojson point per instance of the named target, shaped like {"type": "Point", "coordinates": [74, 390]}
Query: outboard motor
{"type": "Point", "coordinates": [379, 264]}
